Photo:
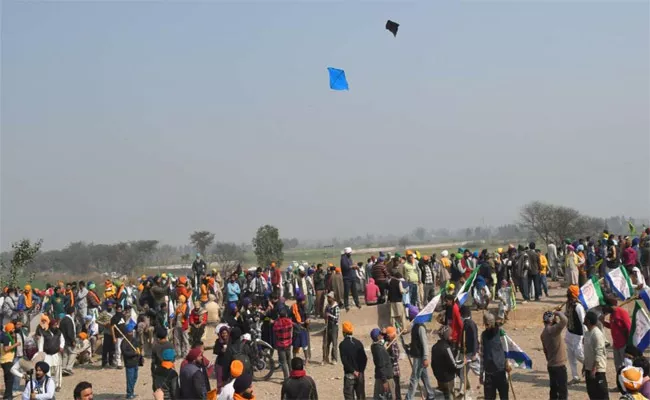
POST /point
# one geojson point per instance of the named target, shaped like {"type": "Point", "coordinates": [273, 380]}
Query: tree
{"type": "Point", "coordinates": [404, 241]}
{"type": "Point", "coordinates": [228, 255]}
{"type": "Point", "coordinates": [420, 233]}
{"type": "Point", "coordinates": [23, 255]}
{"type": "Point", "coordinates": [201, 240]}
{"type": "Point", "coordinates": [540, 218]}
{"type": "Point", "coordinates": [268, 246]}
{"type": "Point", "coordinates": [290, 243]}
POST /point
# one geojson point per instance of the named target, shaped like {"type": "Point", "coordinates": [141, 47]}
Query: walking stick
{"type": "Point", "coordinates": [464, 380]}
{"type": "Point", "coordinates": [514, 395]}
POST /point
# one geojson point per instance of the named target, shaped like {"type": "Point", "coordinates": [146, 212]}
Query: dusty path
{"type": "Point", "coordinates": [524, 328]}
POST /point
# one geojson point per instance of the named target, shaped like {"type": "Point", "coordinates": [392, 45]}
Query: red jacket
{"type": "Point", "coordinates": [197, 317]}
{"type": "Point", "coordinates": [276, 276]}
{"type": "Point", "coordinates": [456, 324]}
{"type": "Point", "coordinates": [620, 325]}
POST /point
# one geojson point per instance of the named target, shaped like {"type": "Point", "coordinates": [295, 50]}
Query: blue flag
{"type": "Point", "coordinates": [337, 79]}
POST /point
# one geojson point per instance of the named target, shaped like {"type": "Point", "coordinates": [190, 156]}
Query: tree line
{"type": "Point", "coordinates": [79, 258]}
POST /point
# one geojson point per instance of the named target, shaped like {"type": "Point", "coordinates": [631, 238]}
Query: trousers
{"type": "Point", "coordinates": [331, 338]}
{"type": "Point", "coordinates": [284, 355]}
{"type": "Point", "coordinates": [574, 352]}
{"type": "Point", "coordinates": [419, 372]}
{"type": "Point", "coordinates": [558, 378]}
{"type": "Point", "coordinates": [493, 383]}
{"type": "Point", "coordinates": [349, 286]}
{"type": "Point", "coordinates": [69, 358]}
{"type": "Point", "coordinates": [597, 386]}
{"type": "Point", "coordinates": [354, 387]}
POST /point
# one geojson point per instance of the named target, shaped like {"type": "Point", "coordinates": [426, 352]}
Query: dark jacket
{"type": "Point", "coordinates": [493, 357]}
{"type": "Point", "coordinates": [131, 357]}
{"type": "Point", "coordinates": [167, 380]}
{"type": "Point", "coordinates": [193, 384]}
{"type": "Point", "coordinates": [319, 280]}
{"type": "Point", "coordinates": [346, 268]}
{"type": "Point", "coordinates": [156, 354]}
{"type": "Point", "coordinates": [67, 330]}
{"type": "Point", "coordinates": [469, 339]}
{"type": "Point", "coordinates": [353, 355]}
{"type": "Point", "coordinates": [533, 258]}
{"type": "Point", "coordinates": [383, 364]}
{"type": "Point", "coordinates": [445, 365]}
{"type": "Point", "coordinates": [299, 386]}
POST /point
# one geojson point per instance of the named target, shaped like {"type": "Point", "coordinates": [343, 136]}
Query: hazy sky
{"type": "Point", "coordinates": [149, 120]}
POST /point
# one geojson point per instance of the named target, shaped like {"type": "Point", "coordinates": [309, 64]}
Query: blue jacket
{"type": "Point", "coordinates": [233, 291]}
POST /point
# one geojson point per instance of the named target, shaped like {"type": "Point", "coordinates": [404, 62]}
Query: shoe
{"type": "Point", "coordinates": [359, 307]}
{"type": "Point", "coordinates": [524, 302]}
{"type": "Point", "coordinates": [119, 367]}
{"type": "Point", "coordinates": [574, 381]}
{"type": "Point", "coordinates": [58, 389]}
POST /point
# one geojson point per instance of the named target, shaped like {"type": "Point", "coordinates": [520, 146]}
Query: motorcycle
{"type": "Point", "coordinates": [262, 353]}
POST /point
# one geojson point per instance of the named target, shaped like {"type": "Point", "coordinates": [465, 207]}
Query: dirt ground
{"type": "Point", "coordinates": [524, 327]}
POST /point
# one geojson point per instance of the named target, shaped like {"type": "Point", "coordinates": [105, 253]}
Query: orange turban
{"type": "Point", "coordinates": [338, 269]}
{"type": "Point", "coordinates": [391, 331]}
{"type": "Point", "coordinates": [347, 328]}
{"type": "Point", "coordinates": [10, 327]}
{"type": "Point", "coordinates": [574, 290]}
{"type": "Point", "coordinates": [83, 335]}
{"type": "Point", "coordinates": [45, 319]}
{"type": "Point", "coordinates": [236, 368]}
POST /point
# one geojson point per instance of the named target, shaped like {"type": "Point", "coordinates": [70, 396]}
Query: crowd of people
{"type": "Point", "coordinates": [164, 318]}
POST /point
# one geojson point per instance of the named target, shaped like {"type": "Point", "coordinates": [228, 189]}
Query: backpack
{"type": "Point", "coordinates": [239, 354]}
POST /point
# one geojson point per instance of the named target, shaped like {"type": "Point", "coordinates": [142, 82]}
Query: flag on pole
{"type": "Point", "coordinates": [644, 294]}
{"type": "Point", "coordinates": [620, 282]}
{"type": "Point", "coordinates": [591, 295]}
{"type": "Point", "coordinates": [464, 291]}
{"type": "Point", "coordinates": [631, 227]}
{"type": "Point", "coordinates": [426, 314]}
{"type": "Point", "coordinates": [514, 354]}
{"type": "Point", "coordinates": [640, 330]}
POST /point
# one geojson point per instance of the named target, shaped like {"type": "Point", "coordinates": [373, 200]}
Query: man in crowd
{"type": "Point", "coordinates": [595, 359]}
{"type": "Point", "coordinates": [384, 384]}
{"type": "Point", "coordinates": [354, 360]}
{"type": "Point", "coordinates": [555, 352]}
{"type": "Point", "coordinates": [418, 350]}
{"type": "Point", "coordinates": [299, 385]}
{"type": "Point", "coordinates": [349, 277]}
{"type": "Point", "coordinates": [575, 314]}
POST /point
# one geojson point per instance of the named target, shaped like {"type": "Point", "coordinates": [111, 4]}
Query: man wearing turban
{"type": "Point", "coordinates": [42, 385]}
{"type": "Point", "coordinates": [575, 314]}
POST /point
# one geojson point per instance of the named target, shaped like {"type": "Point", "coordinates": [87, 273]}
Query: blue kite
{"type": "Point", "coordinates": [337, 79]}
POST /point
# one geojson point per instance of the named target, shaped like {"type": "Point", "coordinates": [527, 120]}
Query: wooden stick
{"type": "Point", "coordinates": [631, 299]}
{"type": "Point", "coordinates": [514, 395]}
{"type": "Point", "coordinates": [464, 380]}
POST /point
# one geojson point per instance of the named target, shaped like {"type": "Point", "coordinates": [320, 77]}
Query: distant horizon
{"type": "Point", "coordinates": [324, 241]}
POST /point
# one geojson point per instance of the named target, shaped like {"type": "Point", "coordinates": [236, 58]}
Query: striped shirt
{"type": "Point", "coordinates": [283, 330]}
{"type": "Point", "coordinates": [335, 311]}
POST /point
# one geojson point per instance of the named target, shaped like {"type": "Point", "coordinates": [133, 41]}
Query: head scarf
{"type": "Point", "coordinates": [413, 312]}
{"type": "Point", "coordinates": [631, 378]}
{"type": "Point", "coordinates": [242, 383]}
{"type": "Point", "coordinates": [43, 366]}
{"type": "Point", "coordinates": [193, 354]}
{"type": "Point", "coordinates": [236, 369]}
